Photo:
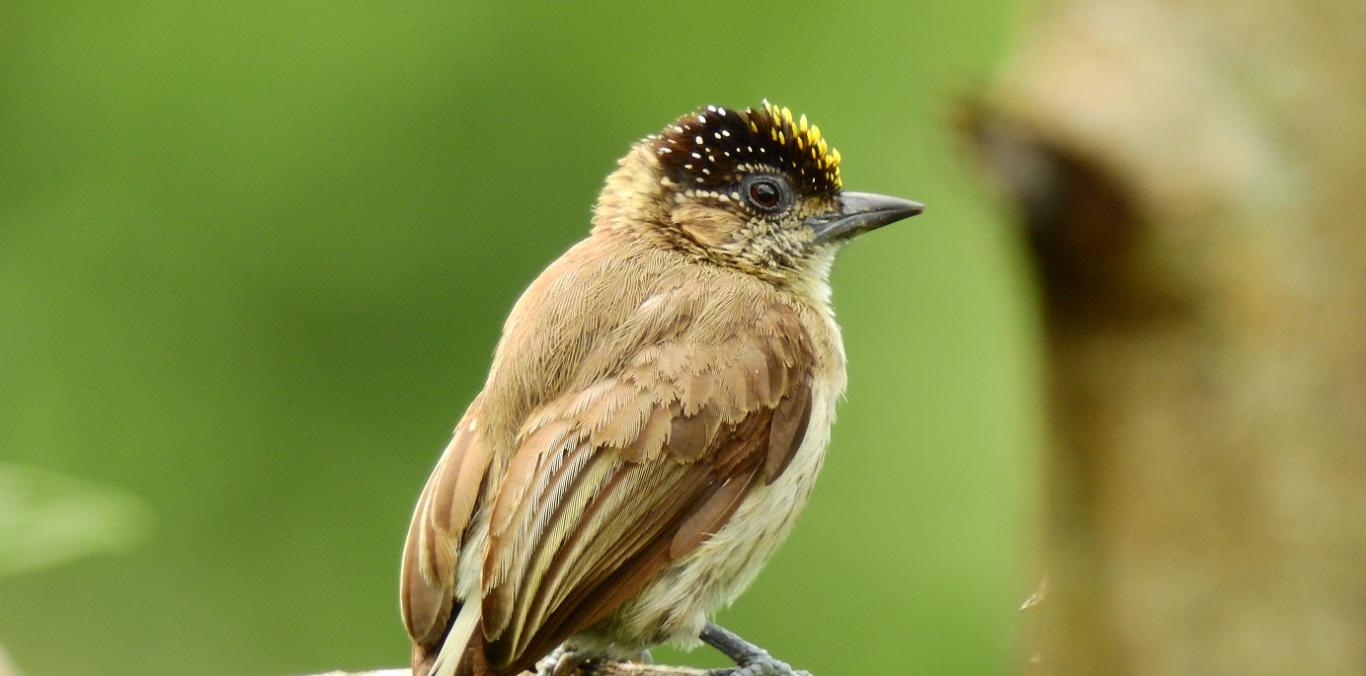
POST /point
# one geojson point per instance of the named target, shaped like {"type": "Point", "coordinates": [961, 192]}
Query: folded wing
{"type": "Point", "coordinates": [612, 481]}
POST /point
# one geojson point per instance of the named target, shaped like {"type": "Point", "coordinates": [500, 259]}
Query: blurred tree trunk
{"type": "Point", "coordinates": [1193, 181]}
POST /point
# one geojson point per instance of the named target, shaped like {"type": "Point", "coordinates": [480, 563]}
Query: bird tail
{"type": "Point", "coordinates": [462, 653]}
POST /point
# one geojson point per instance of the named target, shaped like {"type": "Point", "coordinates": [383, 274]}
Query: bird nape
{"type": "Point", "coordinates": [655, 415]}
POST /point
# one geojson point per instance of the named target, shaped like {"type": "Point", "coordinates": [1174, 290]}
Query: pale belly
{"type": "Point", "coordinates": [674, 607]}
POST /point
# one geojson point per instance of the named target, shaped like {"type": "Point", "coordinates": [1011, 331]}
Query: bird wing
{"type": "Point", "coordinates": [428, 575]}
{"type": "Point", "coordinates": [612, 481]}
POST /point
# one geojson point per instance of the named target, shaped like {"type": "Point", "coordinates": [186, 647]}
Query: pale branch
{"type": "Point", "coordinates": [724, 640]}
{"type": "Point", "coordinates": [591, 669]}
{"type": "Point", "coordinates": [638, 669]}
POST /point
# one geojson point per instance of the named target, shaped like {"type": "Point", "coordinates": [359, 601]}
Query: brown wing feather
{"type": "Point", "coordinates": [427, 579]}
{"type": "Point", "coordinates": [787, 426]}
{"type": "Point", "coordinates": [612, 482]}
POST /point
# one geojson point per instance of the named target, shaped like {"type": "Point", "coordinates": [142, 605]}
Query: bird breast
{"type": "Point", "coordinates": [674, 607]}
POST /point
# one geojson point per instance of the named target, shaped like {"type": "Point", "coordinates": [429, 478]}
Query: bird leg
{"type": "Point", "coordinates": [750, 659]}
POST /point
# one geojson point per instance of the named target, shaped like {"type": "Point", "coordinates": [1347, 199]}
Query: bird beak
{"type": "Point", "coordinates": [860, 212]}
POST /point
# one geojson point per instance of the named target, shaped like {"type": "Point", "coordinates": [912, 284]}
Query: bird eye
{"type": "Point", "coordinates": [765, 193]}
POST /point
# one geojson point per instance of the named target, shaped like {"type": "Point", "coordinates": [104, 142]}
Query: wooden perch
{"type": "Point", "coordinates": [602, 669]}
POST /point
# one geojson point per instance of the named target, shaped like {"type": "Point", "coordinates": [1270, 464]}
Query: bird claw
{"type": "Point", "coordinates": [560, 662]}
{"type": "Point", "coordinates": [565, 661]}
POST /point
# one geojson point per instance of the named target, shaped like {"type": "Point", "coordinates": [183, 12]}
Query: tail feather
{"type": "Point", "coordinates": [462, 653]}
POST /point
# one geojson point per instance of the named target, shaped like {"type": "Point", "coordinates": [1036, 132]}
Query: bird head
{"type": "Point", "coordinates": [753, 189]}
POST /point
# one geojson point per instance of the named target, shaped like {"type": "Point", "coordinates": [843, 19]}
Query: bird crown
{"type": "Point", "coordinates": [712, 146]}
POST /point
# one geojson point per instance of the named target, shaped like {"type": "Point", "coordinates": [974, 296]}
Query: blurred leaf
{"type": "Point", "coordinates": [7, 668]}
{"type": "Point", "coordinates": [47, 519]}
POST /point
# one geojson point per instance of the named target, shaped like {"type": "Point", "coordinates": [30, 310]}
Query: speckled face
{"type": "Point", "coordinates": [743, 183]}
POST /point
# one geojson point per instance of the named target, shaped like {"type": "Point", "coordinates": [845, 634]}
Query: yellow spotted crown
{"type": "Point", "coordinates": [712, 147]}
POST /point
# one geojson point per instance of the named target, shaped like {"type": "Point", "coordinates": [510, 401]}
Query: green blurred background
{"type": "Point", "coordinates": [254, 258]}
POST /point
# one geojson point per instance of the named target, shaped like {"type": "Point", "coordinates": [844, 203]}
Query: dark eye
{"type": "Point", "coordinates": [765, 193]}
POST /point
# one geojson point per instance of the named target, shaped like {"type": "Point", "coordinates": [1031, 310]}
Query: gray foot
{"type": "Point", "coordinates": [751, 660]}
{"type": "Point", "coordinates": [560, 662]}
{"type": "Point", "coordinates": [565, 661]}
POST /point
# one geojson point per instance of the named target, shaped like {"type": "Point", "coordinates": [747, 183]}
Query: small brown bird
{"type": "Point", "coordinates": [655, 415]}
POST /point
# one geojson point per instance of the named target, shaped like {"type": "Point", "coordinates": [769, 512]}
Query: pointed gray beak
{"type": "Point", "coordinates": [861, 212]}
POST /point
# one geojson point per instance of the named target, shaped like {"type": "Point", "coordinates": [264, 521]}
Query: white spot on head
{"type": "Point", "coordinates": [696, 156]}
{"type": "Point", "coordinates": [698, 140]}
{"type": "Point", "coordinates": [702, 119]}
{"type": "Point", "coordinates": [725, 132]}
{"type": "Point", "coordinates": [665, 150]}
